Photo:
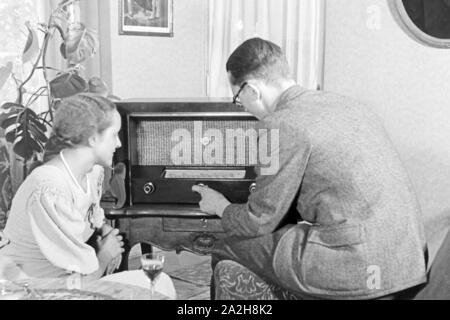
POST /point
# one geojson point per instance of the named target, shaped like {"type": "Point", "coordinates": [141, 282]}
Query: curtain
{"type": "Point", "coordinates": [297, 26]}
{"type": "Point", "coordinates": [92, 14]}
{"type": "Point", "coordinates": [89, 15]}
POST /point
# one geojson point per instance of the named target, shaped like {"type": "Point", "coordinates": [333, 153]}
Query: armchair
{"type": "Point", "coordinates": [233, 281]}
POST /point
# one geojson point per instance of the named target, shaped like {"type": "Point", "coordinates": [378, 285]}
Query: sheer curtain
{"type": "Point", "coordinates": [295, 25]}
{"type": "Point", "coordinates": [94, 14]}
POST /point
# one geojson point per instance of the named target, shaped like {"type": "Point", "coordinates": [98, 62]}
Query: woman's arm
{"type": "Point", "coordinates": [115, 262]}
{"type": "Point", "coordinates": [98, 219]}
{"type": "Point", "coordinates": [104, 231]}
{"type": "Point", "coordinates": [108, 248]}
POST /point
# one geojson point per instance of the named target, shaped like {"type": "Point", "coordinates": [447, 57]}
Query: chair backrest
{"type": "Point", "coordinates": [438, 287]}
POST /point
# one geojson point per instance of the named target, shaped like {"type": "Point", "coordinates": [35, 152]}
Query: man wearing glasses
{"type": "Point", "coordinates": [358, 234]}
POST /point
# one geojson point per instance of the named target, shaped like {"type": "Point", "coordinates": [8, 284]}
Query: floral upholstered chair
{"type": "Point", "coordinates": [233, 281]}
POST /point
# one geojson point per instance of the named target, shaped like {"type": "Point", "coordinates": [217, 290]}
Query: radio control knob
{"type": "Point", "coordinates": [252, 187]}
{"type": "Point", "coordinates": [149, 188]}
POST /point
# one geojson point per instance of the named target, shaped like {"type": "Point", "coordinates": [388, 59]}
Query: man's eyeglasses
{"type": "Point", "coordinates": [236, 99]}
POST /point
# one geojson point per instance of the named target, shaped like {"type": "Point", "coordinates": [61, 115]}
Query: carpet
{"type": "Point", "coordinates": [192, 282]}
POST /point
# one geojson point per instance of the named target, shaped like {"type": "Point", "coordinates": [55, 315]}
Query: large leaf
{"type": "Point", "coordinates": [5, 73]}
{"type": "Point", "coordinates": [26, 147]}
{"type": "Point", "coordinates": [7, 119]}
{"type": "Point", "coordinates": [32, 46]}
{"type": "Point", "coordinates": [38, 134]}
{"type": "Point", "coordinates": [5, 179]}
{"type": "Point", "coordinates": [65, 3]}
{"type": "Point", "coordinates": [10, 118]}
{"type": "Point", "coordinates": [25, 131]}
{"type": "Point", "coordinates": [98, 86]}
{"type": "Point", "coordinates": [10, 105]}
{"type": "Point", "coordinates": [67, 85]}
{"type": "Point", "coordinates": [79, 43]}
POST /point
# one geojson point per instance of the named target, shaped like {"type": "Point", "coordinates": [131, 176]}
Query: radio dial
{"type": "Point", "coordinates": [252, 188]}
{"type": "Point", "coordinates": [149, 188]}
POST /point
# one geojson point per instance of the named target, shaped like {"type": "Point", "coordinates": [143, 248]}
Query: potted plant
{"type": "Point", "coordinates": [24, 128]}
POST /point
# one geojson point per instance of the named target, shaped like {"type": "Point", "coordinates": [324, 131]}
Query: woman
{"type": "Point", "coordinates": [57, 208]}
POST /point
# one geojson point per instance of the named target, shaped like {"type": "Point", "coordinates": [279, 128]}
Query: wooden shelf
{"type": "Point", "coordinates": [157, 210]}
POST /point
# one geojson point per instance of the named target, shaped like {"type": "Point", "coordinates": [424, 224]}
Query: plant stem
{"type": "Point", "coordinates": [33, 69]}
{"type": "Point", "coordinates": [38, 92]}
{"type": "Point", "coordinates": [44, 65]}
{"type": "Point", "coordinates": [35, 96]}
{"type": "Point", "coordinates": [50, 68]}
{"type": "Point", "coordinates": [25, 169]}
{"type": "Point", "coordinates": [46, 122]}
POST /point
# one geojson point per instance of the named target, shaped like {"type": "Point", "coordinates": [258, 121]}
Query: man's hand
{"type": "Point", "coordinates": [212, 202]}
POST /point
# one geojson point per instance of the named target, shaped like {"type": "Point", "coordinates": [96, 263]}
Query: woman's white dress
{"type": "Point", "coordinates": [50, 221]}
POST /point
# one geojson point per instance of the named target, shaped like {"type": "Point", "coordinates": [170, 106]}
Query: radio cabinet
{"type": "Point", "coordinates": [169, 227]}
{"type": "Point", "coordinates": [160, 207]}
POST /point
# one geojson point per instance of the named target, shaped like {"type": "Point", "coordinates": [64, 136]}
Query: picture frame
{"type": "Point", "coordinates": [146, 17]}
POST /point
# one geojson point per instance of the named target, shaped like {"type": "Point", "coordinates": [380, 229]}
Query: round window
{"type": "Point", "coordinates": [427, 21]}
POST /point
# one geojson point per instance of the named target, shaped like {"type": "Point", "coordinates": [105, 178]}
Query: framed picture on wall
{"type": "Point", "coordinates": [146, 17]}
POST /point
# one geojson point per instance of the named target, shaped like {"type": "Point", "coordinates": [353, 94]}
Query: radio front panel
{"type": "Point", "coordinates": [173, 146]}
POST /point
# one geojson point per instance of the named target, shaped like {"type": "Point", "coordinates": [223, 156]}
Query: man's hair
{"type": "Point", "coordinates": [259, 59]}
{"type": "Point", "coordinates": [76, 120]}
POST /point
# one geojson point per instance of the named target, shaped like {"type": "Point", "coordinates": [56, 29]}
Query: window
{"type": "Point", "coordinates": [13, 15]}
{"type": "Point", "coordinates": [297, 26]}
{"type": "Point", "coordinates": [427, 21]}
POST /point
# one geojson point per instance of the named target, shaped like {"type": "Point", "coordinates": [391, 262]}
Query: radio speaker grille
{"type": "Point", "coordinates": [196, 143]}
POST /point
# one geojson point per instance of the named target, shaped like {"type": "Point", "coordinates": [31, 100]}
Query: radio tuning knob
{"type": "Point", "coordinates": [252, 187]}
{"type": "Point", "coordinates": [149, 188]}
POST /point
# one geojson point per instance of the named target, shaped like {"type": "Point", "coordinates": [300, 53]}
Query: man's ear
{"type": "Point", "coordinates": [253, 91]}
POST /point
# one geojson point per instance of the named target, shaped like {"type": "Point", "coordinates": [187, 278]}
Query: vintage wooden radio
{"type": "Point", "coordinates": [169, 146]}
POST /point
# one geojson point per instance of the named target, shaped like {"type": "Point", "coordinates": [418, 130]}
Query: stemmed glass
{"type": "Point", "coordinates": [152, 264]}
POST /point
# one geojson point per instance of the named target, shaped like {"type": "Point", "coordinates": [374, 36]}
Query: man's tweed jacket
{"type": "Point", "coordinates": [360, 236]}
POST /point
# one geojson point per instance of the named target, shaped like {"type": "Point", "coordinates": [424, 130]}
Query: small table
{"type": "Point", "coordinates": [105, 289]}
{"type": "Point", "coordinates": [169, 227]}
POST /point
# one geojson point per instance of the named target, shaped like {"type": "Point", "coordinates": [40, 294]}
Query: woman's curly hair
{"type": "Point", "coordinates": [77, 118]}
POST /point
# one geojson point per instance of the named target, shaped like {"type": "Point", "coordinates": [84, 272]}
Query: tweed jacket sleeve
{"type": "Point", "coordinates": [277, 183]}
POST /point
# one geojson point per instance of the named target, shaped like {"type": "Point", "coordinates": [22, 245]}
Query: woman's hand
{"type": "Point", "coordinates": [110, 246]}
{"type": "Point", "coordinates": [105, 229]}
{"type": "Point", "coordinates": [114, 264]}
